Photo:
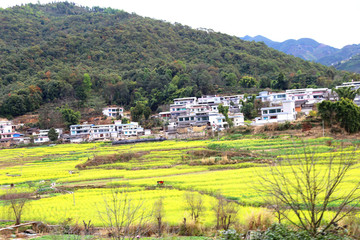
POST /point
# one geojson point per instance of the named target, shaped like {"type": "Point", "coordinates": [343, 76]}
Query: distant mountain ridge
{"type": "Point", "coordinates": [311, 50]}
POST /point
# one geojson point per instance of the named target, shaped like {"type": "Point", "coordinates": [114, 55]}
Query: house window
{"type": "Point", "coordinates": [265, 112]}
{"type": "Point", "coordinates": [272, 111]}
{"type": "Point", "coordinates": [273, 117]}
{"type": "Point", "coordinates": [186, 119]}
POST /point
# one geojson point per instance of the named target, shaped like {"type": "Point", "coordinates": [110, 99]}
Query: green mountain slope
{"type": "Point", "coordinates": [352, 64]}
{"type": "Point", "coordinates": [45, 50]}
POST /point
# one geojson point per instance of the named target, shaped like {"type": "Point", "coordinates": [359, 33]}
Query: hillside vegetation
{"type": "Point", "coordinates": [45, 50]}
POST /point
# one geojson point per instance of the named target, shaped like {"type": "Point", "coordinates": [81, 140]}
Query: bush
{"type": "Point", "coordinates": [313, 113]}
{"type": "Point", "coordinates": [230, 234]}
{"type": "Point", "coordinates": [279, 231]}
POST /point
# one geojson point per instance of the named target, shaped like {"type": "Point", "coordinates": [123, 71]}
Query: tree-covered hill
{"type": "Point", "coordinates": [48, 52]}
{"type": "Point", "coordinates": [352, 64]}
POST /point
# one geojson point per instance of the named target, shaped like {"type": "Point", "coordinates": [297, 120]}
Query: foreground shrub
{"type": "Point", "coordinates": [279, 231]}
{"type": "Point", "coordinates": [230, 234]}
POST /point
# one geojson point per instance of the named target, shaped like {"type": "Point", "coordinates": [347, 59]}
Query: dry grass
{"type": "Point", "coordinates": [259, 221]}
{"type": "Point", "coordinates": [108, 159]}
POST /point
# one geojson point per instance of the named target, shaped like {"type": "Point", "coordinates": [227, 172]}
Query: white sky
{"type": "Point", "coordinates": [332, 22]}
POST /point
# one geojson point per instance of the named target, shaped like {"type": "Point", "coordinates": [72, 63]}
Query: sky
{"type": "Point", "coordinates": [332, 22]}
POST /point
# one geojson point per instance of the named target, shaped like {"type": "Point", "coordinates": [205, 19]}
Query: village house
{"type": "Point", "coordinates": [102, 132]}
{"type": "Point", "coordinates": [281, 113]}
{"type": "Point", "coordinates": [354, 86]}
{"type": "Point", "coordinates": [6, 126]}
{"type": "Point", "coordinates": [266, 96]}
{"type": "Point", "coordinates": [81, 130]}
{"type": "Point", "coordinates": [128, 129]}
{"type": "Point", "coordinates": [41, 136]}
{"type": "Point", "coordinates": [185, 101]}
{"type": "Point", "coordinates": [113, 111]}
{"type": "Point", "coordinates": [165, 115]}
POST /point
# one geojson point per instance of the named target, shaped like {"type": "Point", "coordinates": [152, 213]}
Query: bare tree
{"type": "Point", "coordinates": [17, 202]}
{"type": "Point", "coordinates": [158, 213]}
{"type": "Point", "coordinates": [309, 185]}
{"type": "Point", "coordinates": [125, 217]}
{"type": "Point", "coordinates": [194, 205]}
{"type": "Point", "coordinates": [225, 212]}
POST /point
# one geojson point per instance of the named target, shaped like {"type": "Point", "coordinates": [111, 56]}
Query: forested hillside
{"type": "Point", "coordinates": [60, 51]}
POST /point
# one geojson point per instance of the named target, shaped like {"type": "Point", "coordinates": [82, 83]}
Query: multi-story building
{"type": "Point", "coordinates": [210, 99]}
{"type": "Point", "coordinates": [81, 129]}
{"type": "Point", "coordinates": [307, 94]}
{"type": "Point", "coordinates": [6, 127]}
{"type": "Point", "coordinates": [185, 101]}
{"type": "Point", "coordinates": [113, 111]}
{"type": "Point", "coordinates": [266, 96]}
{"type": "Point", "coordinates": [41, 136]}
{"type": "Point", "coordinates": [178, 109]}
{"type": "Point", "coordinates": [128, 129]}
{"type": "Point", "coordinates": [282, 113]}
{"type": "Point", "coordinates": [352, 84]}
{"type": "Point", "coordinates": [101, 132]}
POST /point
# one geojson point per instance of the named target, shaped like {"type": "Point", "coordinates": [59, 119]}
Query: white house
{"type": "Point", "coordinates": [266, 96]}
{"type": "Point", "coordinates": [352, 84]}
{"type": "Point", "coordinates": [178, 109]}
{"type": "Point", "coordinates": [129, 129]}
{"type": "Point", "coordinates": [6, 126]}
{"type": "Point", "coordinates": [186, 119]}
{"type": "Point", "coordinates": [101, 132]}
{"type": "Point", "coordinates": [81, 129]}
{"type": "Point", "coordinates": [238, 119]}
{"type": "Point", "coordinates": [283, 113]}
{"type": "Point", "coordinates": [307, 94]}
{"type": "Point", "coordinates": [210, 99]}
{"type": "Point", "coordinates": [41, 136]}
{"type": "Point", "coordinates": [185, 101]}
{"type": "Point", "coordinates": [113, 111]}
{"type": "Point", "coordinates": [10, 136]}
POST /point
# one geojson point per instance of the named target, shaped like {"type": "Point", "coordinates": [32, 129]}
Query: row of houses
{"type": "Point", "coordinates": [115, 131]}
{"type": "Point", "coordinates": [78, 133]}
{"type": "Point", "coordinates": [282, 106]}
{"type": "Point", "coordinates": [188, 115]}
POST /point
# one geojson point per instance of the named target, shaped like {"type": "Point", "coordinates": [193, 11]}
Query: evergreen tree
{"type": "Point", "coordinates": [53, 135]}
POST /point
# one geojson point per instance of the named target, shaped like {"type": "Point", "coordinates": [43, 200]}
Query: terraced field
{"type": "Point", "coordinates": [73, 180]}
